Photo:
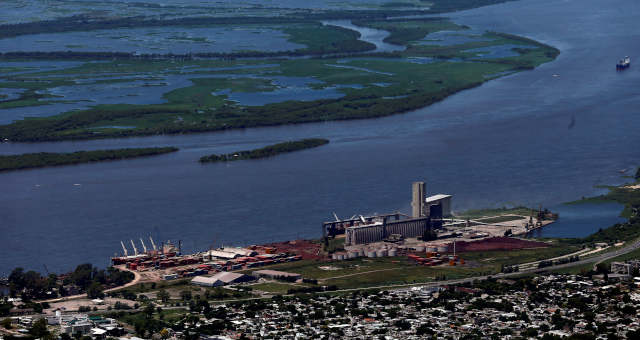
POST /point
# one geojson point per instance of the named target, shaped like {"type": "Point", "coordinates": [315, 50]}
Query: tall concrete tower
{"type": "Point", "coordinates": [417, 202]}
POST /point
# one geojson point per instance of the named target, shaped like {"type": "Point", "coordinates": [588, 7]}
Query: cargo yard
{"type": "Point", "coordinates": [432, 236]}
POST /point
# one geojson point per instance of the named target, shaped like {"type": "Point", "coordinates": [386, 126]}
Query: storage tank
{"type": "Point", "coordinates": [352, 254]}
{"type": "Point", "coordinates": [393, 252]}
{"type": "Point", "coordinates": [381, 252]}
{"type": "Point", "coordinates": [371, 253]}
{"type": "Point", "coordinates": [443, 248]}
{"type": "Point", "coordinates": [432, 249]}
{"type": "Point", "coordinates": [334, 256]}
{"type": "Point", "coordinates": [340, 256]}
{"type": "Point", "coordinates": [420, 249]}
{"type": "Point", "coordinates": [361, 252]}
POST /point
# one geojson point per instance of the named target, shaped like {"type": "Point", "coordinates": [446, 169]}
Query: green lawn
{"type": "Point", "coordinates": [273, 287]}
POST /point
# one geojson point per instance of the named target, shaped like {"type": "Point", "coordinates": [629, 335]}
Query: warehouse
{"type": "Point", "coordinates": [221, 279]}
{"type": "Point", "coordinates": [218, 254]}
{"type": "Point", "coordinates": [379, 231]}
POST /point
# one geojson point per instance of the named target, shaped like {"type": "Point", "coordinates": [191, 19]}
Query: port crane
{"type": "Point", "coordinates": [336, 217]}
{"type": "Point", "coordinates": [143, 246]}
{"type": "Point", "coordinates": [153, 244]}
{"type": "Point", "coordinates": [124, 249]}
{"type": "Point", "coordinates": [135, 250]}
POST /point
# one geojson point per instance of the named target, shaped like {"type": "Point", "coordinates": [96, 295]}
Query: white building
{"type": "Point", "coordinates": [440, 199]}
{"type": "Point", "coordinates": [221, 279]}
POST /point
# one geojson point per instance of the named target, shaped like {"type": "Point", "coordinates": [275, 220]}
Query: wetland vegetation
{"type": "Point", "coordinates": [336, 76]}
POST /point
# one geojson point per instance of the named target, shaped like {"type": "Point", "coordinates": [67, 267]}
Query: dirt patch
{"type": "Point", "coordinates": [496, 243]}
{"type": "Point", "coordinates": [309, 250]}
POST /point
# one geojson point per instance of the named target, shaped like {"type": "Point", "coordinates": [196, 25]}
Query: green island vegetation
{"type": "Point", "coordinates": [371, 84]}
{"type": "Point", "coordinates": [88, 22]}
{"type": "Point", "coordinates": [319, 40]}
{"type": "Point", "coordinates": [267, 151]}
{"type": "Point", "coordinates": [45, 159]}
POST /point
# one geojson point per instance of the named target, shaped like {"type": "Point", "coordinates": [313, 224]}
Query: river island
{"type": "Point", "coordinates": [329, 66]}
{"type": "Point", "coordinates": [47, 159]}
{"type": "Point", "coordinates": [267, 151]}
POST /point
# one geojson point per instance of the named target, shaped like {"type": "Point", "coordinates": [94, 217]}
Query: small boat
{"type": "Point", "coordinates": [623, 63]}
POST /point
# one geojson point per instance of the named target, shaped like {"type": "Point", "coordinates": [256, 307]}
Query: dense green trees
{"type": "Point", "coordinates": [39, 329]}
{"type": "Point", "coordinates": [31, 285]}
{"type": "Point", "coordinates": [267, 151]}
{"type": "Point", "coordinates": [95, 291]}
{"type": "Point", "coordinates": [44, 159]}
{"type": "Point", "coordinates": [28, 284]}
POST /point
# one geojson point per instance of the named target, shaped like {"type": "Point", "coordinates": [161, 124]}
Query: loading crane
{"type": "Point", "coordinates": [336, 217]}
{"type": "Point", "coordinates": [143, 246]}
{"type": "Point", "coordinates": [153, 244]}
{"type": "Point", "coordinates": [124, 249]}
{"type": "Point", "coordinates": [135, 250]}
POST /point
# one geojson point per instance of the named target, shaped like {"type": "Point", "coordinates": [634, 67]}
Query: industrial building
{"type": "Point", "coordinates": [439, 205]}
{"type": "Point", "coordinates": [221, 279]}
{"type": "Point", "coordinates": [379, 231]}
{"type": "Point", "coordinates": [427, 212]}
{"type": "Point", "coordinates": [219, 254]}
{"type": "Point", "coordinates": [436, 206]}
{"type": "Point", "coordinates": [627, 268]}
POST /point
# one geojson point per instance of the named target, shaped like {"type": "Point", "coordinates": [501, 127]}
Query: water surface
{"type": "Point", "coordinates": [580, 220]}
{"type": "Point", "coordinates": [529, 138]}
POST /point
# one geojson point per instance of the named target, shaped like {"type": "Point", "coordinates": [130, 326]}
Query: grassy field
{"type": "Point", "coordinates": [273, 287]}
{"type": "Point", "coordinates": [369, 272]}
{"type": "Point", "coordinates": [372, 85]}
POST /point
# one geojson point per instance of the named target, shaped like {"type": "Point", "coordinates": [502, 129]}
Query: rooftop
{"type": "Point", "coordinates": [437, 197]}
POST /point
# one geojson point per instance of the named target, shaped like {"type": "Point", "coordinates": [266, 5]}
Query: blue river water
{"type": "Point", "coordinates": [580, 220]}
{"type": "Point", "coordinates": [545, 136]}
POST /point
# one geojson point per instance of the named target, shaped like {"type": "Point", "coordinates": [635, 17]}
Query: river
{"type": "Point", "coordinates": [526, 139]}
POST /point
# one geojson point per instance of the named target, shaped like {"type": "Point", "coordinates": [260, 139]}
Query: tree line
{"type": "Point", "coordinates": [45, 159]}
{"type": "Point", "coordinates": [290, 112]}
{"type": "Point", "coordinates": [31, 285]}
{"type": "Point", "coordinates": [267, 151]}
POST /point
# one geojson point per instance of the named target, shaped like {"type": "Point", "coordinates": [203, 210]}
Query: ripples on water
{"type": "Point", "coordinates": [526, 139]}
